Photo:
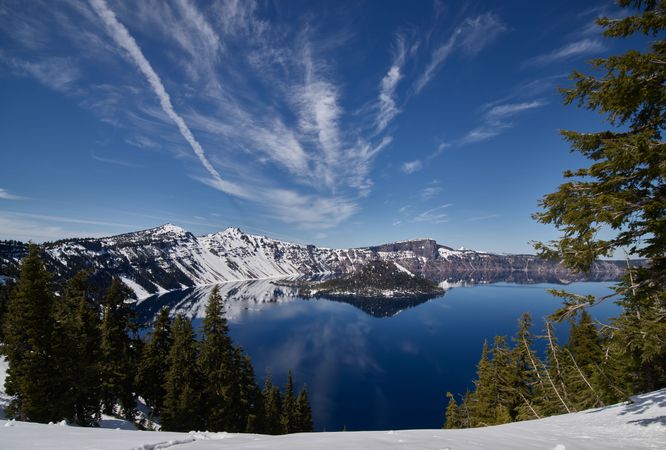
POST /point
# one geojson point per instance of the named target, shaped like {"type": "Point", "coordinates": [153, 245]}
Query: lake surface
{"type": "Point", "coordinates": [374, 366]}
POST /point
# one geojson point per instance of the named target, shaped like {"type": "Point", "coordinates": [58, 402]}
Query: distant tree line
{"type": "Point", "coordinates": [73, 357]}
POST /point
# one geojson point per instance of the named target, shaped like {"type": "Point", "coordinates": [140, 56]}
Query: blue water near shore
{"type": "Point", "coordinates": [391, 370]}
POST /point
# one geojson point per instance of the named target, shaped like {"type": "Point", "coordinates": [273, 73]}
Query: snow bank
{"type": "Point", "coordinates": [637, 425]}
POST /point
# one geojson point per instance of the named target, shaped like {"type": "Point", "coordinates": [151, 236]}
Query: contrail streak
{"type": "Point", "coordinates": [122, 37]}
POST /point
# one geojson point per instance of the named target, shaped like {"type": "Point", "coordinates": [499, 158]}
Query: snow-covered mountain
{"type": "Point", "coordinates": [169, 257]}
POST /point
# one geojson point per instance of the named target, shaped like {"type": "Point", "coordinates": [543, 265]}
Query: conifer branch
{"type": "Point", "coordinates": [583, 377]}
{"type": "Point", "coordinates": [555, 389]}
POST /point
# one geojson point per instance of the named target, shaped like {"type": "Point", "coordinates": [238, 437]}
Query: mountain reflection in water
{"type": "Point", "coordinates": [374, 363]}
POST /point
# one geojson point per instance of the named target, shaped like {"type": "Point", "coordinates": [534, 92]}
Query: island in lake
{"type": "Point", "coordinates": [377, 279]}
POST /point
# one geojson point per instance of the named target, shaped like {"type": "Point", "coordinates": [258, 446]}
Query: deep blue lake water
{"type": "Point", "coordinates": [383, 368]}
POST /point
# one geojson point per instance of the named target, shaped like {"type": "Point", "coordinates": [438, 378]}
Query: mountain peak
{"type": "Point", "coordinates": [169, 228]}
{"type": "Point", "coordinates": [232, 231]}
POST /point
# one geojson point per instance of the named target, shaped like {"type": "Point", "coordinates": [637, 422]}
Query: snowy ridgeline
{"type": "Point", "coordinates": [168, 257]}
{"type": "Point", "coordinates": [638, 425]}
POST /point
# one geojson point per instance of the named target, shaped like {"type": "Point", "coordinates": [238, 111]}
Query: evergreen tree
{"type": "Point", "coordinates": [5, 294]}
{"type": "Point", "coordinates": [250, 396]}
{"type": "Point", "coordinates": [584, 342]}
{"type": "Point", "coordinates": [502, 415]}
{"type": "Point", "coordinates": [77, 343]}
{"type": "Point", "coordinates": [288, 418]}
{"type": "Point", "coordinates": [465, 415]}
{"type": "Point", "coordinates": [151, 373]}
{"type": "Point", "coordinates": [218, 365]}
{"type": "Point", "coordinates": [272, 403]}
{"type": "Point", "coordinates": [32, 375]}
{"type": "Point", "coordinates": [622, 191]}
{"type": "Point", "coordinates": [117, 358]}
{"type": "Point", "coordinates": [505, 375]}
{"type": "Point", "coordinates": [484, 398]}
{"type": "Point", "coordinates": [529, 385]}
{"type": "Point", "coordinates": [236, 420]}
{"type": "Point", "coordinates": [181, 410]}
{"type": "Point", "coordinates": [557, 373]}
{"type": "Point", "coordinates": [303, 412]}
{"type": "Point", "coordinates": [452, 419]}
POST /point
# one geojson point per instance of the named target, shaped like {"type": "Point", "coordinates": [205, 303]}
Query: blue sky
{"type": "Point", "coordinates": [332, 123]}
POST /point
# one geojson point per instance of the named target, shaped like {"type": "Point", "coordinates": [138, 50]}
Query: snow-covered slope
{"type": "Point", "coordinates": [169, 257]}
{"type": "Point", "coordinates": [637, 425]}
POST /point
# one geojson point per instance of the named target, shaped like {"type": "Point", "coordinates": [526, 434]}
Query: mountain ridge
{"type": "Point", "coordinates": [169, 257]}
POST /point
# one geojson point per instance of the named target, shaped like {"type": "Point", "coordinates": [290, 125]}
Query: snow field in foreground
{"type": "Point", "coordinates": [637, 425]}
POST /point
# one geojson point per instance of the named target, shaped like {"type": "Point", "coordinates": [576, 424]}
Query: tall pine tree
{"type": "Point", "coordinates": [484, 399]}
{"type": "Point", "coordinates": [303, 412]}
{"type": "Point", "coordinates": [117, 358]}
{"type": "Point", "coordinates": [288, 418]}
{"type": "Point", "coordinates": [217, 362]}
{"type": "Point", "coordinates": [505, 374]}
{"type": "Point", "coordinates": [32, 375]}
{"type": "Point", "coordinates": [77, 343]}
{"type": "Point", "coordinates": [529, 383]}
{"type": "Point", "coordinates": [452, 417]}
{"type": "Point", "coordinates": [182, 408]}
{"type": "Point", "coordinates": [251, 407]}
{"type": "Point", "coordinates": [272, 403]}
{"type": "Point", "coordinates": [153, 366]}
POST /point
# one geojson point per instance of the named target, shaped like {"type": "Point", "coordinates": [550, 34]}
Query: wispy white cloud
{"type": "Point", "coordinates": [190, 29]}
{"type": "Point", "coordinates": [142, 142]}
{"type": "Point", "coordinates": [319, 115]}
{"type": "Point", "coordinates": [440, 148]}
{"type": "Point", "coordinates": [62, 219]}
{"type": "Point", "coordinates": [483, 217]}
{"type": "Point", "coordinates": [471, 37]}
{"type": "Point", "coordinates": [6, 195]}
{"type": "Point", "coordinates": [59, 74]}
{"type": "Point", "coordinates": [500, 112]}
{"type": "Point", "coordinates": [484, 132]}
{"type": "Point", "coordinates": [27, 230]}
{"type": "Point", "coordinates": [209, 39]}
{"type": "Point", "coordinates": [480, 31]}
{"type": "Point", "coordinates": [590, 16]}
{"type": "Point", "coordinates": [435, 215]}
{"type": "Point", "coordinates": [304, 210]}
{"type": "Point", "coordinates": [44, 227]}
{"type": "Point", "coordinates": [117, 162]}
{"type": "Point", "coordinates": [496, 120]}
{"type": "Point", "coordinates": [437, 58]}
{"type": "Point", "coordinates": [431, 191]}
{"type": "Point", "coordinates": [239, 17]}
{"type": "Point", "coordinates": [539, 86]}
{"type": "Point", "coordinates": [313, 150]}
{"type": "Point", "coordinates": [386, 102]}
{"type": "Point", "coordinates": [581, 47]}
{"type": "Point", "coordinates": [410, 167]}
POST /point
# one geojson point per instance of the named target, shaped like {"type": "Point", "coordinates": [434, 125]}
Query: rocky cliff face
{"type": "Point", "coordinates": [169, 257]}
